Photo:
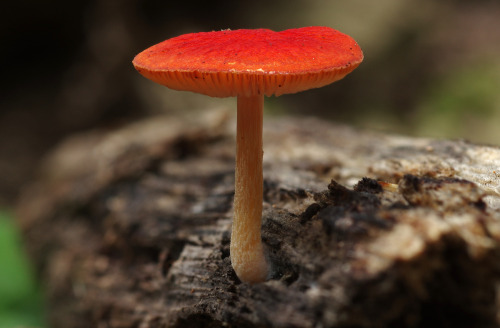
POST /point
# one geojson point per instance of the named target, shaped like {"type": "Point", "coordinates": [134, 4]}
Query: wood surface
{"type": "Point", "coordinates": [131, 228]}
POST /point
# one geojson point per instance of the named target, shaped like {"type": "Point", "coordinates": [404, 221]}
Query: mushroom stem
{"type": "Point", "coordinates": [247, 253]}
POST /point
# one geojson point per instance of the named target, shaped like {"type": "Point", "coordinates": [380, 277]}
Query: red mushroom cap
{"type": "Point", "coordinates": [251, 62]}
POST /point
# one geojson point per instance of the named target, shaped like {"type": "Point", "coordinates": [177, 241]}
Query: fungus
{"type": "Point", "coordinates": [249, 64]}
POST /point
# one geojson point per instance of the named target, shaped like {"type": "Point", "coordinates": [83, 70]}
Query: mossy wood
{"type": "Point", "coordinates": [132, 228]}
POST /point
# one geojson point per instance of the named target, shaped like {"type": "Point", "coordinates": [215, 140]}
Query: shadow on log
{"type": "Point", "coordinates": [132, 228]}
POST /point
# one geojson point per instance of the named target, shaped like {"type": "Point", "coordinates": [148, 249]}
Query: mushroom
{"type": "Point", "coordinates": [249, 64]}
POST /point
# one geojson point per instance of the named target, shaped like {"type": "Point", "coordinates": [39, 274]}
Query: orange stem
{"type": "Point", "coordinates": [247, 253]}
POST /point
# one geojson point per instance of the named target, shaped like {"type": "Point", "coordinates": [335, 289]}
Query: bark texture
{"type": "Point", "coordinates": [132, 228]}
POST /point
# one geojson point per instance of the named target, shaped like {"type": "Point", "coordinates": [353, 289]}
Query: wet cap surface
{"type": "Point", "coordinates": [247, 62]}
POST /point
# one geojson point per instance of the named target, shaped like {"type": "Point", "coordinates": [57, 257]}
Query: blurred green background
{"type": "Point", "coordinates": [20, 300]}
{"type": "Point", "coordinates": [431, 68]}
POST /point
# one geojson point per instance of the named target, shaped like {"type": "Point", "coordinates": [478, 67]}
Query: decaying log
{"type": "Point", "coordinates": [131, 228]}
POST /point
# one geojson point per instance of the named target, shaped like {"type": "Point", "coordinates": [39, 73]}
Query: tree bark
{"type": "Point", "coordinates": [131, 228]}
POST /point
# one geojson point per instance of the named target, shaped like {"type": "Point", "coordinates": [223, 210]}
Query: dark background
{"type": "Point", "coordinates": [431, 68]}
